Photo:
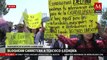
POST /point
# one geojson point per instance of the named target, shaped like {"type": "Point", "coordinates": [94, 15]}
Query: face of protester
{"type": "Point", "coordinates": [87, 36]}
{"type": "Point", "coordinates": [40, 29]}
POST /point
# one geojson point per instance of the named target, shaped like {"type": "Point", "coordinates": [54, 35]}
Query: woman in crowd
{"type": "Point", "coordinates": [86, 41]}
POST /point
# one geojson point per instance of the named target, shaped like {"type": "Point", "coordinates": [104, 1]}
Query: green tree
{"type": "Point", "coordinates": [104, 15]}
{"type": "Point", "coordinates": [103, 20]}
{"type": "Point", "coordinates": [3, 8]}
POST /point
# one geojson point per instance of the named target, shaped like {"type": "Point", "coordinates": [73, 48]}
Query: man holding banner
{"type": "Point", "coordinates": [21, 30]}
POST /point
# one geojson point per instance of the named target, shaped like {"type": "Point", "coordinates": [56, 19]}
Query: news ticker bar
{"type": "Point", "coordinates": [40, 50]}
{"type": "Point", "coordinates": [49, 50]}
{"type": "Point", "coordinates": [55, 52]}
{"type": "Point", "coordinates": [51, 54]}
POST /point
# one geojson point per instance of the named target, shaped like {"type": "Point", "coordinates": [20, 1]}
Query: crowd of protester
{"type": "Point", "coordinates": [92, 40]}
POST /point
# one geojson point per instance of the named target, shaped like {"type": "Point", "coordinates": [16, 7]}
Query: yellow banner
{"type": "Point", "coordinates": [33, 20]}
{"type": "Point", "coordinates": [19, 38]}
{"type": "Point", "coordinates": [71, 17]}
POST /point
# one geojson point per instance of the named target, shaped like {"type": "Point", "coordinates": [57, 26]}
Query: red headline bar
{"type": "Point", "coordinates": [7, 54]}
{"type": "Point", "coordinates": [11, 6]}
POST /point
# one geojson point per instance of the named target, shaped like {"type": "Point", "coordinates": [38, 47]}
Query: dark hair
{"type": "Point", "coordinates": [20, 26]}
{"type": "Point", "coordinates": [93, 41]}
{"type": "Point", "coordinates": [82, 41]}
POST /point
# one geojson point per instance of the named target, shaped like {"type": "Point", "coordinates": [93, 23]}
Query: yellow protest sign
{"type": "Point", "coordinates": [33, 20]}
{"type": "Point", "coordinates": [19, 38]}
{"type": "Point", "coordinates": [71, 17]}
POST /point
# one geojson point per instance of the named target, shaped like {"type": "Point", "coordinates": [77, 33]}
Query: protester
{"type": "Point", "coordinates": [102, 34]}
{"type": "Point", "coordinates": [37, 36]}
{"type": "Point", "coordinates": [85, 41]}
{"type": "Point", "coordinates": [35, 31]}
{"type": "Point", "coordinates": [56, 44]}
{"type": "Point", "coordinates": [52, 43]}
{"type": "Point", "coordinates": [105, 31]}
{"type": "Point", "coordinates": [42, 36]}
{"type": "Point", "coordinates": [69, 47]}
{"type": "Point", "coordinates": [21, 28]}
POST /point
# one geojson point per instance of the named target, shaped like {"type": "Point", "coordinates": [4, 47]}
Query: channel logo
{"type": "Point", "coordinates": [98, 7]}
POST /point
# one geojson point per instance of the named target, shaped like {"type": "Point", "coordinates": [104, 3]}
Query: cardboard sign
{"type": "Point", "coordinates": [19, 38]}
{"type": "Point", "coordinates": [71, 17]}
{"type": "Point", "coordinates": [33, 21]}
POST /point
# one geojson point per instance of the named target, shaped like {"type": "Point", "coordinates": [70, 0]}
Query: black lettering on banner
{"type": "Point", "coordinates": [31, 16]}
{"type": "Point", "coordinates": [80, 12]}
{"type": "Point", "coordinates": [71, 30]}
{"type": "Point", "coordinates": [55, 9]}
{"type": "Point", "coordinates": [55, 3]}
{"type": "Point", "coordinates": [59, 13]}
{"type": "Point", "coordinates": [81, 2]}
{"type": "Point", "coordinates": [12, 37]}
{"type": "Point", "coordinates": [81, 22]}
{"type": "Point", "coordinates": [79, 30]}
{"type": "Point", "coordinates": [63, 31]}
{"type": "Point", "coordinates": [76, 18]}
{"type": "Point", "coordinates": [36, 22]}
{"type": "Point", "coordinates": [91, 21]}
{"type": "Point", "coordinates": [66, 18]}
{"type": "Point", "coordinates": [90, 29]}
{"type": "Point", "coordinates": [64, 8]}
{"type": "Point", "coordinates": [56, 18]}
{"type": "Point", "coordinates": [91, 6]}
{"type": "Point", "coordinates": [51, 18]}
{"type": "Point", "coordinates": [90, 25]}
{"type": "Point", "coordinates": [68, 26]}
{"type": "Point", "coordinates": [53, 14]}
{"type": "Point", "coordinates": [64, 13]}
{"type": "Point", "coordinates": [63, 27]}
{"type": "Point", "coordinates": [76, 7]}
{"type": "Point", "coordinates": [83, 17]}
{"type": "Point", "coordinates": [73, 23]}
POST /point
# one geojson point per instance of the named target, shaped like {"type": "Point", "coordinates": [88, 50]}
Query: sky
{"type": "Point", "coordinates": [32, 6]}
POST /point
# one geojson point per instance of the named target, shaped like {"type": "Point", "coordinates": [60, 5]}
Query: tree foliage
{"type": "Point", "coordinates": [3, 7]}
{"type": "Point", "coordinates": [103, 20]}
{"type": "Point", "coordinates": [104, 15]}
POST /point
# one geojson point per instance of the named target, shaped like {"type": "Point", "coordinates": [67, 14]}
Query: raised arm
{"type": "Point", "coordinates": [69, 41]}
{"type": "Point", "coordinates": [25, 27]}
